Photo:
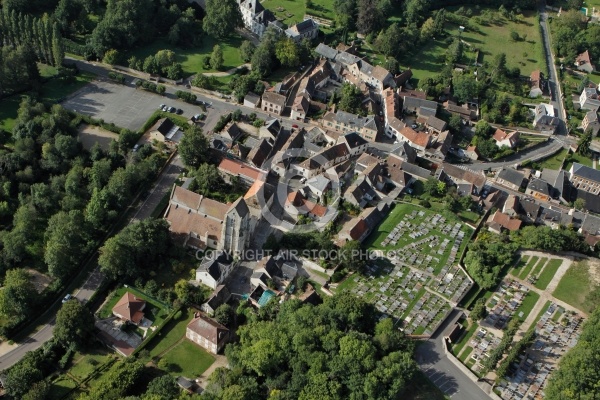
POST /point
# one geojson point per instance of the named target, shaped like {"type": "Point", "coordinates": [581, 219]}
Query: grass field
{"type": "Point", "coordinates": [547, 274]}
{"type": "Point", "coordinates": [531, 298]}
{"type": "Point", "coordinates": [191, 58]}
{"type": "Point", "coordinates": [291, 12]}
{"type": "Point", "coordinates": [575, 286]}
{"type": "Point", "coordinates": [60, 387]}
{"type": "Point", "coordinates": [494, 39]}
{"type": "Point", "coordinates": [170, 334]}
{"type": "Point", "coordinates": [538, 267]}
{"type": "Point", "coordinates": [85, 364]}
{"type": "Point", "coordinates": [525, 271]}
{"type": "Point", "coordinates": [553, 162]}
{"type": "Point", "coordinates": [519, 267]}
{"type": "Point", "coordinates": [188, 359]}
{"type": "Point", "coordinates": [465, 354]}
{"type": "Point", "coordinates": [52, 91]}
{"type": "Point", "coordinates": [578, 158]}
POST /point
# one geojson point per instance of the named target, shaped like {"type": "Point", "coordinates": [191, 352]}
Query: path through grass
{"type": "Point", "coordinates": [525, 271]}
{"type": "Point", "coordinates": [548, 273]}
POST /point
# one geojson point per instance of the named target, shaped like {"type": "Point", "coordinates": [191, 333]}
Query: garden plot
{"type": "Point", "coordinates": [556, 332]}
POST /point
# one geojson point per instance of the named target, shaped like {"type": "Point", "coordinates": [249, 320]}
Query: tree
{"type": "Point", "coordinates": [479, 311]}
{"type": "Point", "coordinates": [352, 256]}
{"type": "Point", "coordinates": [38, 391]}
{"type": "Point", "coordinates": [224, 315]}
{"type": "Point", "coordinates": [74, 324]}
{"type": "Point", "coordinates": [216, 57]}
{"type": "Point", "coordinates": [20, 378]}
{"type": "Point", "coordinates": [17, 295]}
{"type": "Point", "coordinates": [483, 129]}
{"type": "Point", "coordinates": [351, 98]}
{"type": "Point", "coordinates": [111, 57]}
{"type": "Point", "coordinates": [579, 204]}
{"type": "Point", "coordinates": [369, 18]}
{"type": "Point", "coordinates": [416, 10]}
{"type": "Point", "coordinates": [193, 147]}
{"type": "Point", "coordinates": [183, 291]}
{"type": "Point", "coordinates": [434, 187]}
{"type": "Point", "coordinates": [222, 17]}
{"type": "Point", "coordinates": [487, 257]}
{"type": "Point", "coordinates": [246, 50]}
{"type": "Point", "coordinates": [578, 371]}
{"type": "Point", "coordinates": [464, 87]}
{"type": "Point", "coordinates": [428, 29]}
{"type": "Point", "coordinates": [584, 142]}
{"type": "Point", "coordinates": [66, 240]}
{"type": "Point", "coordinates": [164, 58]}
{"type": "Point", "coordinates": [163, 388]}
{"type": "Point", "coordinates": [207, 180]}
{"type": "Point", "coordinates": [264, 58]}
{"type": "Point", "coordinates": [514, 36]}
{"type": "Point", "coordinates": [287, 52]}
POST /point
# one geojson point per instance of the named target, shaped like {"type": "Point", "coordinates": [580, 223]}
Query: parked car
{"type": "Point", "coordinates": [172, 110]}
{"type": "Point", "coordinates": [165, 108]}
{"type": "Point", "coordinates": [179, 111]}
{"type": "Point", "coordinates": [295, 126]}
{"type": "Point", "coordinates": [161, 107]}
{"type": "Point", "coordinates": [136, 148]}
{"type": "Point", "coordinates": [67, 298]}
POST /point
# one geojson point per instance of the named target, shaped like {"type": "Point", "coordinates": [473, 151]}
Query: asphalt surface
{"type": "Point", "coordinates": [434, 362]}
{"type": "Point", "coordinates": [541, 151]}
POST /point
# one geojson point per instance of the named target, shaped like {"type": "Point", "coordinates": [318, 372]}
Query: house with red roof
{"type": "Point", "coordinates": [508, 139]}
{"type": "Point", "coordinates": [583, 62]}
{"type": "Point", "coordinates": [130, 308]}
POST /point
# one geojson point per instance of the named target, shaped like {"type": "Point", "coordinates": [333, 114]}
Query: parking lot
{"type": "Point", "coordinates": [123, 105]}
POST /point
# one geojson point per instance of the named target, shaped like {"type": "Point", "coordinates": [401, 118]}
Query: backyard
{"type": "Point", "coordinates": [187, 359]}
{"type": "Point", "coordinates": [155, 310]}
{"type": "Point", "coordinates": [170, 334]}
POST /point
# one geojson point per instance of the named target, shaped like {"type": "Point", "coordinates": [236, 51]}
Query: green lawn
{"type": "Point", "coordinates": [538, 267]}
{"type": "Point", "coordinates": [465, 354]}
{"type": "Point", "coordinates": [527, 305]}
{"type": "Point", "coordinates": [85, 364]}
{"type": "Point", "coordinates": [291, 12]}
{"type": "Point", "coordinates": [8, 112]}
{"type": "Point", "coordinates": [170, 334]}
{"type": "Point", "coordinates": [553, 162]}
{"type": "Point", "coordinates": [575, 286]}
{"type": "Point", "coordinates": [57, 89]}
{"type": "Point", "coordinates": [188, 359]}
{"type": "Point", "coordinates": [456, 348]}
{"type": "Point", "coordinates": [519, 267]}
{"type": "Point", "coordinates": [525, 271]}
{"type": "Point", "coordinates": [578, 158]}
{"type": "Point", "coordinates": [60, 387]}
{"type": "Point", "coordinates": [52, 91]}
{"type": "Point", "coordinates": [191, 58]}
{"type": "Point", "coordinates": [494, 39]}
{"type": "Point", "coordinates": [547, 274]}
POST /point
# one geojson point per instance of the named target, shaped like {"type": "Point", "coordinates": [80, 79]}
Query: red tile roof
{"type": "Point", "coordinates": [130, 308]}
{"type": "Point", "coordinates": [236, 168]}
{"type": "Point", "coordinates": [505, 221]}
{"type": "Point", "coordinates": [418, 138]}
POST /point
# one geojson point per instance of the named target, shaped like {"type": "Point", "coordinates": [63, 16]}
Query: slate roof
{"type": "Point", "coordinates": [274, 98]}
{"type": "Point", "coordinates": [165, 126]}
{"type": "Point", "coordinates": [326, 51]}
{"type": "Point", "coordinates": [539, 186]}
{"type": "Point", "coordinates": [259, 154]}
{"type": "Point", "coordinates": [305, 26]}
{"type": "Point", "coordinates": [318, 182]}
{"type": "Point", "coordinates": [585, 172]}
{"type": "Point", "coordinates": [512, 176]}
{"type": "Point", "coordinates": [353, 140]}
{"type": "Point", "coordinates": [252, 98]}
{"type": "Point", "coordinates": [218, 297]}
{"type": "Point", "coordinates": [216, 265]}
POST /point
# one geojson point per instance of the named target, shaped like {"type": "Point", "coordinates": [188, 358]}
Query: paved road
{"type": "Point", "coordinates": [164, 183]}
{"type": "Point", "coordinates": [434, 362]}
{"type": "Point", "coordinates": [557, 98]}
{"type": "Point", "coordinates": [541, 151]}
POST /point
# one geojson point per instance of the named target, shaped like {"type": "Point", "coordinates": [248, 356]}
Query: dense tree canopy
{"type": "Point", "coordinates": [487, 257]}
{"type": "Point", "coordinates": [193, 147]}
{"type": "Point", "coordinates": [332, 351]}
{"type": "Point", "coordinates": [74, 324]}
{"type": "Point", "coordinates": [222, 17]}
